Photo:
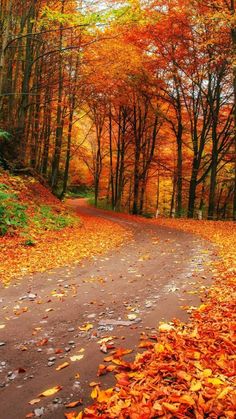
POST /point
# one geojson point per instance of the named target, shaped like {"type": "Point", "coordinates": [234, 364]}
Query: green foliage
{"type": "Point", "coordinates": [46, 219]}
{"type": "Point", "coordinates": [13, 215]}
{"type": "Point", "coordinates": [148, 215]}
{"type": "Point", "coordinates": [81, 191]}
{"type": "Point", "coordinates": [29, 242]}
{"type": "Point", "coordinates": [4, 135]}
{"type": "Point", "coordinates": [102, 203]}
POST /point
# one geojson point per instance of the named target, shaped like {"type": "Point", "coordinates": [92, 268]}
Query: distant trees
{"type": "Point", "coordinates": [157, 87]}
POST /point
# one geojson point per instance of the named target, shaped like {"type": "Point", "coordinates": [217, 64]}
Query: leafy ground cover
{"type": "Point", "coordinates": [32, 220]}
{"type": "Point", "coordinates": [187, 370]}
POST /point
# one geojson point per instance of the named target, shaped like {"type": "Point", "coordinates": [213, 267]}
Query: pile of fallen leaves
{"type": "Point", "coordinates": [187, 370]}
{"type": "Point", "coordinates": [20, 256]}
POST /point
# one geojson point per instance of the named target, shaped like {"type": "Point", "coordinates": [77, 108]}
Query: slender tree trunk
{"type": "Point", "coordinates": [97, 171]}
{"type": "Point", "coordinates": [111, 161]}
{"type": "Point", "coordinates": [179, 169]}
{"type": "Point", "coordinates": [59, 120]}
{"type": "Point", "coordinates": [6, 21]}
{"type": "Point", "coordinates": [122, 161]}
{"type": "Point", "coordinates": [136, 164]}
{"type": "Point", "coordinates": [192, 188]}
{"type": "Point", "coordinates": [172, 205]}
{"type": "Point", "coordinates": [233, 36]}
{"type": "Point", "coordinates": [22, 137]}
{"type": "Point", "coordinates": [68, 152]}
{"type": "Point", "coordinates": [211, 206]}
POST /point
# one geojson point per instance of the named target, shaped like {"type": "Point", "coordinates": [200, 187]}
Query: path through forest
{"type": "Point", "coordinates": [52, 317]}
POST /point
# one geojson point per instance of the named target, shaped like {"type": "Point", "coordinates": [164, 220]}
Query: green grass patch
{"type": "Point", "coordinates": [13, 215]}
{"type": "Point", "coordinates": [46, 219]}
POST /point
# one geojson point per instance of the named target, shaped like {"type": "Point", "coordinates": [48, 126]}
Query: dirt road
{"type": "Point", "coordinates": [119, 294]}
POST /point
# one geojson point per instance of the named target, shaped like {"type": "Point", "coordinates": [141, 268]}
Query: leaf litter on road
{"type": "Point", "coordinates": [190, 370]}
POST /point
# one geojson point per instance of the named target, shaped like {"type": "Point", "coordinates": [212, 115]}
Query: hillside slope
{"type": "Point", "coordinates": [35, 224]}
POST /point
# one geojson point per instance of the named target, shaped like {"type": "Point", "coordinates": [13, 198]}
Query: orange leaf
{"type": "Point", "coordinates": [187, 399]}
{"type": "Point", "coordinates": [74, 404]}
{"type": "Point", "coordinates": [62, 366]}
{"type": "Point", "coordinates": [184, 375]}
{"type": "Point", "coordinates": [170, 407]}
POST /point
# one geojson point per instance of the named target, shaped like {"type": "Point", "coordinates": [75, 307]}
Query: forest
{"type": "Point", "coordinates": [133, 100]}
{"type": "Point", "coordinates": [117, 209]}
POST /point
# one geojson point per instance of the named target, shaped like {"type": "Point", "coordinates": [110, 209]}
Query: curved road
{"type": "Point", "coordinates": [122, 293]}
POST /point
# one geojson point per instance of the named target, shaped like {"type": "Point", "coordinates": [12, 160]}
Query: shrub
{"type": "Point", "coordinates": [12, 214]}
{"type": "Point", "coordinates": [45, 218]}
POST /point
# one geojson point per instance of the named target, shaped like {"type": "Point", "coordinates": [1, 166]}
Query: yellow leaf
{"type": "Point", "coordinates": [215, 381]}
{"type": "Point", "coordinates": [34, 401]}
{"type": "Point", "coordinates": [224, 393]}
{"type": "Point", "coordinates": [159, 348]}
{"type": "Point", "coordinates": [93, 384]}
{"type": "Point", "coordinates": [165, 327]}
{"type": "Point", "coordinates": [207, 372]}
{"type": "Point", "coordinates": [157, 406]}
{"type": "Point", "coordinates": [107, 339]}
{"type": "Point", "coordinates": [94, 393]}
{"type": "Point", "coordinates": [196, 386]}
{"type": "Point", "coordinates": [170, 407]}
{"type": "Point", "coordinates": [202, 307]}
{"type": "Point", "coordinates": [62, 366]}
{"type": "Point", "coordinates": [187, 399]}
{"type": "Point", "coordinates": [2, 326]}
{"type": "Point", "coordinates": [76, 358]}
{"type": "Point", "coordinates": [194, 333]}
{"type": "Point", "coordinates": [50, 391]}
{"type": "Point", "coordinates": [86, 327]}
{"type": "Point", "coordinates": [132, 316]}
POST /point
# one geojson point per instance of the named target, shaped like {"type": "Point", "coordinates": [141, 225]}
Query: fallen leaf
{"type": "Point", "coordinates": [50, 391]}
{"type": "Point", "coordinates": [62, 366]}
{"type": "Point", "coordinates": [132, 316]}
{"type": "Point", "coordinates": [195, 386]}
{"type": "Point", "coordinates": [165, 327]}
{"type": "Point", "coordinates": [170, 407]}
{"type": "Point", "coordinates": [76, 358]}
{"type": "Point", "coordinates": [94, 393]}
{"type": "Point", "coordinates": [34, 401]}
{"type": "Point", "coordinates": [94, 383]}
{"type": "Point", "coordinates": [73, 415]}
{"type": "Point", "coordinates": [74, 404]}
{"type": "Point", "coordinates": [42, 342]}
{"type": "Point", "coordinates": [86, 327]}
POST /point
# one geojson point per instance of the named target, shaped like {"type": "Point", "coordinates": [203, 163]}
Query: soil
{"type": "Point", "coordinates": [150, 278]}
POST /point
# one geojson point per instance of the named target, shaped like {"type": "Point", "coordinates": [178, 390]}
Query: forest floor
{"type": "Point", "coordinates": [58, 326]}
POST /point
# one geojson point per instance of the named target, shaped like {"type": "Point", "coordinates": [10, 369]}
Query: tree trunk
{"type": "Point", "coordinates": [233, 37]}
{"type": "Point", "coordinates": [6, 20]}
{"type": "Point", "coordinates": [25, 101]}
{"type": "Point", "coordinates": [59, 121]}
{"type": "Point", "coordinates": [192, 188]}
{"type": "Point", "coordinates": [136, 166]}
{"type": "Point", "coordinates": [111, 161]}
{"type": "Point", "coordinates": [211, 205]}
